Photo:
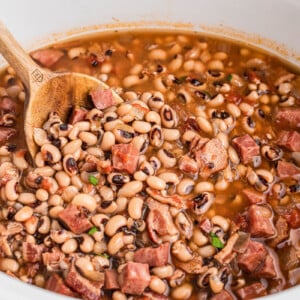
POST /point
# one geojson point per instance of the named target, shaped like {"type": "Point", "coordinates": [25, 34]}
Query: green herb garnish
{"type": "Point", "coordinates": [93, 230]}
{"type": "Point", "coordinates": [105, 255]}
{"type": "Point", "coordinates": [229, 77]}
{"type": "Point", "coordinates": [93, 180]}
{"type": "Point", "coordinates": [215, 241]}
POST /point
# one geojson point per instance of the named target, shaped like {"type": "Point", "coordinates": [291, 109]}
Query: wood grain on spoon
{"type": "Point", "coordinates": [47, 91]}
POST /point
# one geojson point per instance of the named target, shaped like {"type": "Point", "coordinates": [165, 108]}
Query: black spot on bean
{"type": "Point", "coordinates": [108, 52]}
{"type": "Point", "coordinates": [250, 122]}
{"type": "Point", "coordinates": [126, 134]}
{"type": "Point", "coordinates": [11, 147]}
{"type": "Point", "coordinates": [168, 153]}
{"type": "Point", "coordinates": [105, 204]}
{"type": "Point", "coordinates": [38, 180]}
{"type": "Point", "coordinates": [63, 127]}
{"type": "Point", "coordinates": [159, 68]}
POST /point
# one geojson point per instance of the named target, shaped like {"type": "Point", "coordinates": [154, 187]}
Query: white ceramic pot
{"type": "Point", "coordinates": [270, 24]}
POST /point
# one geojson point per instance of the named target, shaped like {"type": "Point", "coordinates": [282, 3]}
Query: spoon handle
{"type": "Point", "coordinates": [29, 72]}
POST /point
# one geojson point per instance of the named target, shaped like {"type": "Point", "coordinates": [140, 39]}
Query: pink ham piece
{"type": "Point", "coordinates": [56, 284]}
{"type": "Point", "coordinates": [78, 114]}
{"type": "Point", "coordinates": [102, 98]}
{"type": "Point", "coordinates": [6, 134]}
{"type": "Point", "coordinates": [111, 280]}
{"type": "Point", "coordinates": [8, 105]}
{"type": "Point", "coordinates": [288, 118]}
{"type": "Point", "coordinates": [154, 257]}
{"type": "Point", "coordinates": [260, 221]}
{"type": "Point", "coordinates": [188, 165]}
{"type": "Point", "coordinates": [268, 269]}
{"type": "Point", "coordinates": [74, 219]}
{"type": "Point", "coordinates": [125, 157]}
{"type": "Point", "coordinates": [134, 278]}
{"type": "Point", "coordinates": [286, 170]}
{"type": "Point", "coordinates": [32, 253]}
{"type": "Point", "coordinates": [289, 140]}
{"type": "Point", "coordinates": [246, 148]}
{"type": "Point", "coordinates": [254, 196]}
{"type": "Point", "coordinates": [251, 291]}
{"type": "Point", "coordinates": [89, 290]}
{"type": "Point", "coordinates": [159, 222]}
{"type": "Point", "coordinates": [253, 258]}
{"type": "Point", "coordinates": [47, 57]}
{"type": "Point", "coordinates": [52, 259]}
{"type": "Point", "coordinates": [212, 157]}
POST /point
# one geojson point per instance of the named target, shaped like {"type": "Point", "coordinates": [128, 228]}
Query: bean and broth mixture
{"type": "Point", "coordinates": [189, 189]}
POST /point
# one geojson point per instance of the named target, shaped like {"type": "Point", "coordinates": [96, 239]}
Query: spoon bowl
{"type": "Point", "coordinates": [46, 91]}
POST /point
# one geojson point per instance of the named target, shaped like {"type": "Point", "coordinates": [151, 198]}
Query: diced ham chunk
{"type": "Point", "coordinates": [286, 170]}
{"type": "Point", "coordinates": [89, 290]}
{"type": "Point", "coordinates": [74, 219]}
{"type": "Point", "coordinates": [268, 269]}
{"type": "Point", "coordinates": [111, 279]}
{"type": "Point", "coordinates": [212, 157]}
{"type": "Point", "coordinates": [251, 291]}
{"type": "Point", "coordinates": [194, 266]}
{"type": "Point", "coordinates": [102, 98]}
{"type": "Point", "coordinates": [125, 157]}
{"type": "Point", "coordinates": [282, 230]}
{"type": "Point", "coordinates": [206, 226]}
{"type": "Point", "coordinates": [246, 148]}
{"type": "Point", "coordinates": [6, 134]}
{"type": "Point", "coordinates": [159, 222]}
{"type": "Point", "coordinates": [293, 218]}
{"type": "Point", "coordinates": [188, 165]}
{"type": "Point", "coordinates": [31, 252]}
{"type": "Point", "coordinates": [56, 284]}
{"type": "Point", "coordinates": [223, 295]}
{"type": "Point", "coordinates": [52, 259]}
{"type": "Point", "coordinates": [254, 196]}
{"type": "Point", "coordinates": [78, 114]}
{"type": "Point", "coordinates": [47, 57]}
{"type": "Point", "coordinates": [260, 221]}
{"type": "Point", "coordinates": [288, 118]}
{"type": "Point", "coordinates": [8, 105]}
{"type": "Point", "coordinates": [253, 258]}
{"type": "Point", "coordinates": [289, 140]}
{"type": "Point", "coordinates": [134, 278]}
{"type": "Point", "coordinates": [154, 257]}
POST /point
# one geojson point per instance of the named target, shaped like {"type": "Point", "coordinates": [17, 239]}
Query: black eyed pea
{"type": "Point", "coordinates": [85, 200]}
{"type": "Point", "coordinates": [181, 251]}
{"type": "Point", "coordinates": [62, 178]}
{"type": "Point", "coordinates": [9, 265]}
{"type": "Point", "coordinates": [155, 162]}
{"type": "Point", "coordinates": [31, 224]}
{"type": "Point", "coordinates": [87, 245]}
{"type": "Point", "coordinates": [130, 189]}
{"type": "Point", "coordinates": [185, 186]}
{"type": "Point", "coordinates": [182, 292]}
{"type": "Point", "coordinates": [54, 211]}
{"type": "Point", "coordinates": [88, 138]}
{"type": "Point", "coordinates": [116, 243]}
{"type": "Point", "coordinates": [199, 238]}
{"type": "Point", "coordinates": [169, 177]}
{"type": "Point", "coordinates": [177, 278]}
{"type": "Point", "coordinates": [70, 165]}
{"type": "Point", "coordinates": [19, 160]}
{"type": "Point", "coordinates": [153, 117]}
{"type": "Point", "coordinates": [44, 225]}
{"type": "Point", "coordinates": [106, 193]}
{"type": "Point", "coordinates": [170, 135]}
{"type": "Point", "coordinates": [10, 190]}
{"type": "Point", "coordinates": [156, 136]}
{"type": "Point", "coordinates": [83, 125]}
{"type": "Point", "coordinates": [27, 198]}
{"type": "Point", "coordinates": [40, 136]}
{"type": "Point", "coordinates": [107, 141]}
{"type": "Point", "coordinates": [107, 207]}
{"type": "Point", "coordinates": [156, 183]}
{"type": "Point", "coordinates": [60, 236]}
{"type": "Point", "coordinates": [164, 271]}
{"type": "Point", "coordinates": [51, 154]}
{"type": "Point", "coordinates": [23, 214]}
{"type": "Point", "coordinates": [72, 147]}
{"type": "Point", "coordinates": [157, 101]}
{"type": "Point", "coordinates": [117, 295]}
{"type": "Point", "coordinates": [42, 195]}
{"type": "Point", "coordinates": [99, 219]}
{"type": "Point", "coordinates": [135, 207]}
{"type": "Point", "coordinates": [168, 116]}
{"type": "Point", "coordinates": [69, 193]}
{"type": "Point", "coordinates": [166, 158]}
{"type": "Point", "coordinates": [122, 203]}
{"type": "Point", "coordinates": [45, 171]}
{"type": "Point", "coordinates": [117, 178]}
{"type": "Point", "coordinates": [141, 126]}
{"type": "Point", "coordinates": [220, 221]}
{"type": "Point", "coordinates": [207, 251]}
{"type": "Point", "coordinates": [140, 176]}
{"type": "Point", "coordinates": [157, 54]}
{"type": "Point", "coordinates": [69, 246]}
{"type": "Point", "coordinates": [114, 224]}
{"type": "Point", "coordinates": [157, 285]}
{"type": "Point", "coordinates": [123, 133]}
{"type": "Point", "coordinates": [141, 143]}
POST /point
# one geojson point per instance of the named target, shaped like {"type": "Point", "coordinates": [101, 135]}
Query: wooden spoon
{"type": "Point", "coordinates": [48, 91]}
